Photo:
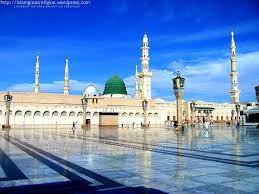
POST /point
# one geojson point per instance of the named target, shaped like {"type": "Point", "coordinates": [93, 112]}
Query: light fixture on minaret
{"type": "Point", "coordinates": [66, 79]}
{"type": "Point", "coordinates": [234, 92]}
{"type": "Point", "coordinates": [37, 75]}
{"type": "Point", "coordinates": [145, 75]}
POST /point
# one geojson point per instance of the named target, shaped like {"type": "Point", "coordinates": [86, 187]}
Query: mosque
{"type": "Point", "coordinates": [114, 106]}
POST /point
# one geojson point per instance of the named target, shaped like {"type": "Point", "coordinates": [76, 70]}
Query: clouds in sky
{"type": "Point", "coordinates": [208, 80]}
{"type": "Point", "coordinates": [76, 86]}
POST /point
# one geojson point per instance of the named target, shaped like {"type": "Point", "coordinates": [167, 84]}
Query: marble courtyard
{"type": "Point", "coordinates": [132, 160]}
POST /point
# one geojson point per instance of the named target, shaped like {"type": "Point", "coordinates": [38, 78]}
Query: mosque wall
{"type": "Point", "coordinates": [50, 110]}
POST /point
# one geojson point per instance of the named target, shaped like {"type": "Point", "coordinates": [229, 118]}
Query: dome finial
{"type": "Point", "coordinates": [178, 72]}
{"type": "Point", "coordinates": [145, 38]}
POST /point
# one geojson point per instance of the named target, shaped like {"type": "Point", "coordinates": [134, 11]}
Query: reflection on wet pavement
{"type": "Point", "coordinates": [220, 160]}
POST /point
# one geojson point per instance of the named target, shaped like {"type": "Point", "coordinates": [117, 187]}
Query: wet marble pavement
{"type": "Point", "coordinates": [109, 160]}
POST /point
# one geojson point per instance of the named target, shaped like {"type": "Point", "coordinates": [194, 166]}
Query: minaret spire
{"type": "Point", "coordinates": [145, 75]}
{"type": "Point", "coordinates": [145, 53]}
{"type": "Point", "coordinates": [66, 79]}
{"type": "Point", "coordinates": [37, 75]}
{"type": "Point", "coordinates": [234, 92]}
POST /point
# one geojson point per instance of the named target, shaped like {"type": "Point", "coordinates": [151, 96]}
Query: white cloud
{"type": "Point", "coordinates": [208, 80]}
{"type": "Point", "coordinates": [76, 86]}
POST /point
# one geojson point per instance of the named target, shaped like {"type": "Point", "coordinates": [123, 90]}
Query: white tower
{"type": "Point", "coordinates": [37, 75]}
{"type": "Point", "coordinates": [137, 91]}
{"type": "Point", "coordinates": [145, 75]}
{"type": "Point", "coordinates": [234, 92]}
{"type": "Point", "coordinates": [66, 79]}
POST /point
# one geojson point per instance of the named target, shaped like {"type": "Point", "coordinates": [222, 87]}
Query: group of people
{"type": "Point", "coordinates": [133, 124]}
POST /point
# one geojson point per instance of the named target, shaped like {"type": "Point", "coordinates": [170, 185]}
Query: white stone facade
{"type": "Point", "coordinates": [234, 92]}
{"type": "Point", "coordinates": [28, 110]}
{"type": "Point", "coordinates": [143, 79]}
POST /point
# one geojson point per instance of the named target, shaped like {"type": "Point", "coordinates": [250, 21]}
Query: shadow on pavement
{"type": "Point", "coordinates": [74, 188]}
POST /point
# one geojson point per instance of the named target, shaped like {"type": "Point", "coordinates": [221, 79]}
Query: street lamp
{"type": "Point", "coordinates": [238, 112]}
{"type": "Point", "coordinates": [192, 106]}
{"type": "Point", "coordinates": [178, 82]}
{"type": "Point", "coordinates": [84, 101]}
{"type": "Point", "coordinates": [233, 116]}
{"type": "Point", "coordinates": [8, 99]}
{"type": "Point", "coordinates": [144, 106]}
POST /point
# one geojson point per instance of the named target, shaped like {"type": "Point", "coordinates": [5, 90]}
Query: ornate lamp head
{"type": "Point", "coordinates": [178, 81]}
{"type": "Point", "coordinates": [84, 101]}
{"type": "Point", "coordinates": [192, 106]}
{"type": "Point", "coordinates": [8, 97]}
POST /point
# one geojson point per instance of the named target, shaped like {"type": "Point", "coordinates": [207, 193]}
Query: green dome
{"type": "Point", "coordinates": [115, 85]}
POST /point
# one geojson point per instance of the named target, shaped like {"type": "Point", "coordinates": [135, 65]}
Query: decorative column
{"type": "Point", "coordinates": [84, 101]}
{"type": "Point", "coordinates": [8, 100]}
{"type": "Point", "coordinates": [192, 106]}
{"type": "Point", "coordinates": [144, 106]}
{"type": "Point", "coordinates": [178, 82]}
{"type": "Point", "coordinates": [233, 116]}
{"type": "Point", "coordinates": [238, 113]}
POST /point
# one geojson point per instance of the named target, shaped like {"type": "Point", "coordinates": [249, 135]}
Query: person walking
{"type": "Point", "coordinates": [73, 128]}
{"type": "Point", "coordinates": [206, 125]}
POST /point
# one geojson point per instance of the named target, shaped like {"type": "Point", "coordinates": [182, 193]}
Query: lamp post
{"type": "Point", "coordinates": [8, 100]}
{"type": "Point", "coordinates": [144, 106]}
{"type": "Point", "coordinates": [84, 101]}
{"type": "Point", "coordinates": [192, 106]}
{"type": "Point", "coordinates": [178, 82]}
{"type": "Point", "coordinates": [238, 112]}
{"type": "Point", "coordinates": [233, 116]}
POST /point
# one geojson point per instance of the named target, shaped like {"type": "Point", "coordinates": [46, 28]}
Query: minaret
{"type": "Point", "coordinates": [145, 75]}
{"type": "Point", "coordinates": [37, 75]}
{"type": "Point", "coordinates": [145, 54]}
{"type": "Point", "coordinates": [66, 79]}
{"type": "Point", "coordinates": [234, 92]}
{"type": "Point", "coordinates": [137, 83]}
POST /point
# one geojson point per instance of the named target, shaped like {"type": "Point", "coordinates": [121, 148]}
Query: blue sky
{"type": "Point", "coordinates": [104, 38]}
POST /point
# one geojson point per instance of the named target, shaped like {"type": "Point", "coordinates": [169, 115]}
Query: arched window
{"type": "Point", "coordinates": [156, 114]}
{"type": "Point", "coordinates": [137, 114]}
{"type": "Point", "coordinates": [64, 113]}
{"type": "Point", "coordinates": [28, 113]}
{"type": "Point", "coordinates": [124, 114]}
{"type": "Point", "coordinates": [37, 113]}
{"type": "Point", "coordinates": [150, 114]}
{"type": "Point", "coordinates": [18, 113]}
{"type": "Point", "coordinates": [71, 114]}
{"type": "Point", "coordinates": [131, 114]}
{"type": "Point", "coordinates": [80, 114]}
{"type": "Point", "coordinates": [46, 114]}
{"type": "Point", "coordinates": [88, 114]}
{"type": "Point", "coordinates": [95, 114]}
{"type": "Point", "coordinates": [55, 114]}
